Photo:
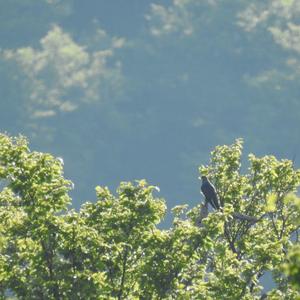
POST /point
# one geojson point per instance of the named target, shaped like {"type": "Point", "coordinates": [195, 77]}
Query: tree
{"type": "Point", "coordinates": [114, 249]}
{"type": "Point", "coordinates": [292, 264]}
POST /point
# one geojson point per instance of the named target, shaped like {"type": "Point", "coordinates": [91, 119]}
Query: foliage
{"type": "Point", "coordinates": [114, 249]}
{"type": "Point", "coordinates": [292, 265]}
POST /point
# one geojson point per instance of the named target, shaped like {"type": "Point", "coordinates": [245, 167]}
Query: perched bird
{"type": "Point", "coordinates": [209, 191]}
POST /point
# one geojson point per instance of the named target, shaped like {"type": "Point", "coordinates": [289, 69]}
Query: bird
{"type": "Point", "coordinates": [209, 191]}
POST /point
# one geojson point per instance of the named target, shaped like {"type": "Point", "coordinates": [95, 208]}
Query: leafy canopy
{"type": "Point", "coordinates": [114, 249]}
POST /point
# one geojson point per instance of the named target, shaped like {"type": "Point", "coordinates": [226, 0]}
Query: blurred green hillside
{"type": "Point", "coordinates": [128, 90]}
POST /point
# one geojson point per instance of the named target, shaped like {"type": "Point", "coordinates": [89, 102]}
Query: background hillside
{"type": "Point", "coordinates": [135, 89]}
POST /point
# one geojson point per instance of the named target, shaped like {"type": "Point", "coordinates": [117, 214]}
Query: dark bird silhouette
{"type": "Point", "coordinates": [209, 191]}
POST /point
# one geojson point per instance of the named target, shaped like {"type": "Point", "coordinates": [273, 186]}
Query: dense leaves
{"type": "Point", "coordinates": [113, 248]}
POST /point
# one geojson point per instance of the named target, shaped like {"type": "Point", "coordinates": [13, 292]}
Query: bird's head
{"type": "Point", "coordinates": [203, 178]}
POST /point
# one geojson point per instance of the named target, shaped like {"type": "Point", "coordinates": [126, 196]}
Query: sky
{"type": "Point", "coordinates": [125, 90]}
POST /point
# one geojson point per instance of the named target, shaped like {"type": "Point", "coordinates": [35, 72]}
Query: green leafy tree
{"type": "Point", "coordinates": [292, 264]}
{"type": "Point", "coordinates": [114, 249]}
